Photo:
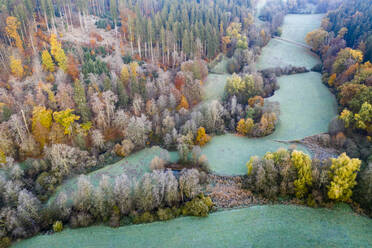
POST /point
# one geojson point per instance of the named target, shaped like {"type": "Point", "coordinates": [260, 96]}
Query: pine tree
{"type": "Point", "coordinates": [81, 101]}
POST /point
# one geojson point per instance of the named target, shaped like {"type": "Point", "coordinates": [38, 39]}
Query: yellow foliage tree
{"type": "Point", "coordinates": [124, 75]}
{"type": "Point", "coordinates": [47, 61]}
{"type": "Point", "coordinates": [363, 119]}
{"type": "Point", "coordinates": [347, 116]}
{"type": "Point", "coordinates": [202, 138]}
{"type": "Point", "coordinates": [316, 39]}
{"type": "Point", "coordinates": [57, 52]}
{"type": "Point", "coordinates": [16, 67]}
{"type": "Point", "coordinates": [183, 104]}
{"type": "Point", "coordinates": [133, 69]}
{"type": "Point", "coordinates": [302, 163]}
{"type": "Point", "coordinates": [12, 24]}
{"type": "Point", "coordinates": [234, 30]}
{"type": "Point", "coordinates": [245, 127]}
{"type": "Point", "coordinates": [41, 124]}
{"type": "Point", "coordinates": [66, 118]}
{"type": "Point", "coordinates": [343, 173]}
{"type": "Point", "coordinates": [2, 157]}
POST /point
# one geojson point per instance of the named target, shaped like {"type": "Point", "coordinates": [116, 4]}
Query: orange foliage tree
{"type": "Point", "coordinates": [183, 104]}
{"type": "Point", "coordinates": [256, 100]}
{"type": "Point", "coordinates": [72, 67]}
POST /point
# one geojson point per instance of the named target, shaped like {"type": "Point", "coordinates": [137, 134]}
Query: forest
{"type": "Point", "coordinates": [85, 85]}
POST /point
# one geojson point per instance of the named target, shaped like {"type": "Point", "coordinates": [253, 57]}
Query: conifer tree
{"type": "Point", "coordinates": [81, 101]}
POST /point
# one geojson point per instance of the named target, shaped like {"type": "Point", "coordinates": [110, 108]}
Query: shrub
{"type": "Point", "coordinates": [157, 163]}
{"type": "Point", "coordinates": [5, 242]}
{"type": "Point", "coordinates": [199, 206]}
{"type": "Point", "coordinates": [165, 214]}
{"type": "Point", "coordinates": [146, 217]}
{"type": "Point", "coordinates": [58, 226]}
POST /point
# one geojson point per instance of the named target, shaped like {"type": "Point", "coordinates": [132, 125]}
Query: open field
{"type": "Point", "coordinates": [259, 226]}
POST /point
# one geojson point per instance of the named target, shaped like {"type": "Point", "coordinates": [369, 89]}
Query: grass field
{"type": "Point", "coordinates": [260, 226]}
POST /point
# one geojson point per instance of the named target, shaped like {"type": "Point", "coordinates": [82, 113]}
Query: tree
{"type": "Point", "coordinates": [66, 118]}
{"type": "Point", "coordinates": [65, 159]}
{"type": "Point", "coordinates": [345, 58]}
{"type": "Point", "coordinates": [183, 104]}
{"type": "Point", "coordinates": [122, 192]}
{"type": "Point", "coordinates": [256, 100]}
{"type": "Point", "coordinates": [189, 183]}
{"type": "Point", "coordinates": [245, 127]}
{"type": "Point", "coordinates": [84, 195]}
{"type": "Point", "coordinates": [2, 157]}
{"type": "Point", "coordinates": [124, 75]}
{"type": "Point", "coordinates": [363, 119]}
{"type": "Point", "coordinates": [11, 29]}
{"type": "Point", "coordinates": [343, 174]}
{"type": "Point", "coordinates": [80, 101]}
{"type": "Point", "coordinates": [72, 68]}
{"type": "Point", "coordinates": [41, 124]}
{"type": "Point", "coordinates": [16, 67]}
{"type": "Point", "coordinates": [347, 116]}
{"type": "Point", "coordinates": [243, 88]}
{"type": "Point", "coordinates": [202, 138]}
{"type": "Point", "coordinates": [47, 61]}
{"type": "Point", "coordinates": [317, 39]}
{"type": "Point", "coordinates": [57, 52]}
{"type": "Point", "coordinates": [302, 163]}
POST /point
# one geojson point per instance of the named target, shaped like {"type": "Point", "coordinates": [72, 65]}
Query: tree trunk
{"type": "Point", "coordinates": [139, 46]}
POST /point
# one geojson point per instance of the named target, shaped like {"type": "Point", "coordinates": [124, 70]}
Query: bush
{"type": "Point", "coordinates": [5, 242]}
{"type": "Point", "coordinates": [336, 126]}
{"type": "Point", "coordinates": [146, 217]}
{"type": "Point", "coordinates": [157, 164]}
{"type": "Point", "coordinates": [199, 206]}
{"type": "Point", "coordinates": [165, 214]}
{"type": "Point", "coordinates": [58, 226]}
